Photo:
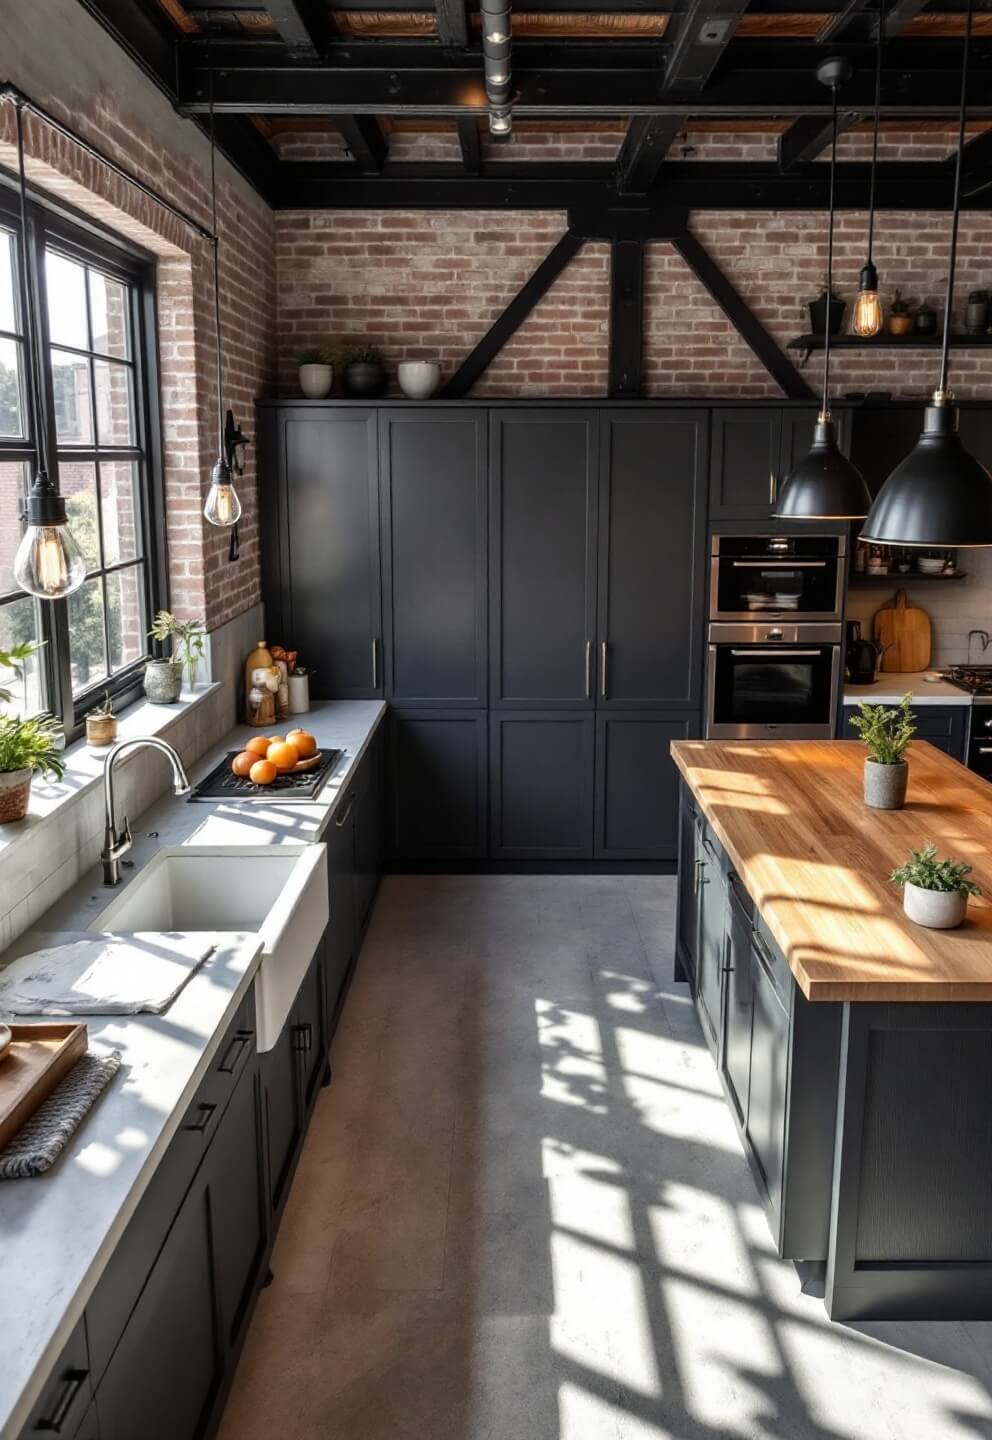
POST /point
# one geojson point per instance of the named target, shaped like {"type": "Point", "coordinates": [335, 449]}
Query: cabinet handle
{"type": "Point", "coordinates": [304, 1036]}
{"type": "Point", "coordinates": [73, 1381]}
{"type": "Point", "coordinates": [234, 1052]}
{"type": "Point", "coordinates": [605, 652]}
{"type": "Point", "coordinates": [766, 966]}
{"type": "Point", "coordinates": [342, 821]}
{"type": "Point", "coordinates": [772, 486]}
{"type": "Point", "coordinates": [697, 875]}
{"type": "Point", "coordinates": [198, 1126]}
{"type": "Point", "coordinates": [588, 669]}
{"type": "Point", "coordinates": [375, 664]}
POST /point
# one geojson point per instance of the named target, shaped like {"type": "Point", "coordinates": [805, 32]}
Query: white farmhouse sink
{"type": "Point", "coordinates": [277, 892]}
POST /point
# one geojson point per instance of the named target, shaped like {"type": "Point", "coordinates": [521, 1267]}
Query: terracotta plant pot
{"type": "Point", "coordinates": [316, 381]}
{"type": "Point", "coordinates": [15, 793]}
{"type": "Point", "coordinates": [163, 681]}
{"type": "Point", "coordinates": [885, 785]}
{"type": "Point", "coordinates": [936, 909]}
{"type": "Point", "coordinates": [900, 324]}
{"type": "Point", "coordinates": [101, 729]}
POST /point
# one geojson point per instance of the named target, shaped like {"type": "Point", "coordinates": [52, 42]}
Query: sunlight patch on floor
{"type": "Point", "coordinates": [572, 1068]}
{"type": "Point", "coordinates": [695, 1234]}
{"type": "Point", "coordinates": [600, 1318]}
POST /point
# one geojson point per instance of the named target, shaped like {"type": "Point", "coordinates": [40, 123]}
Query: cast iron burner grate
{"type": "Point", "coordinates": [223, 784]}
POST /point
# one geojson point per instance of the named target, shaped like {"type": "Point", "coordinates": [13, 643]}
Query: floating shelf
{"type": "Point", "coordinates": [861, 577]}
{"type": "Point", "coordinates": [808, 343]}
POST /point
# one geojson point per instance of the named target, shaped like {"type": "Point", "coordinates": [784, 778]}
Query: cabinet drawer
{"type": "Point", "coordinates": [132, 1260]}
{"type": "Point", "coordinates": [66, 1396]}
{"type": "Point", "coordinates": [775, 964]}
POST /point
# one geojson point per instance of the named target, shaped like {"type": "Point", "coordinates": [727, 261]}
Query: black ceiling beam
{"type": "Point", "coordinates": [366, 143]}
{"type": "Point", "coordinates": [144, 33]}
{"type": "Point", "coordinates": [809, 136]}
{"type": "Point", "coordinates": [248, 151]}
{"type": "Point", "coordinates": [899, 14]}
{"type": "Point", "coordinates": [741, 316]}
{"type": "Point", "coordinates": [626, 317]}
{"type": "Point", "coordinates": [705, 30]}
{"type": "Point", "coordinates": [509, 322]}
{"type": "Point", "coordinates": [452, 23]}
{"type": "Point", "coordinates": [304, 26]}
{"type": "Point", "coordinates": [646, 143]}
{"type": "Point", "coordinates": [468, 139]}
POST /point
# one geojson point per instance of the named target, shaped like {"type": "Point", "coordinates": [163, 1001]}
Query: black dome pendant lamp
{"type": "Point", "coordinates": [939, 495]}
{"type": "Point", "coordinates": [825, 485]}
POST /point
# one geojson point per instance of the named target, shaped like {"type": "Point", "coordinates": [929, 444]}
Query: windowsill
{"type": "Point", "coordinates": [84, 764]}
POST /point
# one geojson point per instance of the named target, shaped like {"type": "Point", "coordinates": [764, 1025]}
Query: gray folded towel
{"type": "Point", "coordinates": [86, 974]}
{"type": "Point", "coordinates": [40, 1140]}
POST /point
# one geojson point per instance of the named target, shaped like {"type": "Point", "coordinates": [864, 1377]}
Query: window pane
{"type": "Point", "coordinates": [11, 414]}
{"type": "Point", "coordinates": [109, 315]}
{"type": "Point", "coordinates": [71, 384]}
{"type": "Point", "coordinates": [7, 307]}
{"type": "Point", "coordinates": [114, 425]}
{"type": "Point", "coordinates": [77, 481]}
{"type": "Point", "coordinates": [13, 488]}
{"type": "Point", "coordinates": [66, 285]}
{"type": "Point", "coordinates": [126, 612]}
{"type": "Point", "coordinates": [87, 649]}
{"type": "Point", "coordinates": [119, 508]}
{"type": "Point", "coordinates": [20, 621]}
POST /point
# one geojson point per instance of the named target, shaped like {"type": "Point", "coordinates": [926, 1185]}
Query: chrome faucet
{"type": "Point", "coordinates": [115, 845]}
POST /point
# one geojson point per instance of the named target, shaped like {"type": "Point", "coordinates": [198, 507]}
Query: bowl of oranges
{"type": "Point", "coordinates": [266, 758]}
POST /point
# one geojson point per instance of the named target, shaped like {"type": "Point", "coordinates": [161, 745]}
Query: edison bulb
{"type": "Point", "coordinates": [222, 508]}
{"type": "Point", "coordinates": [49, 562]}
{"type": "Point", "coordinates": [867, 314]}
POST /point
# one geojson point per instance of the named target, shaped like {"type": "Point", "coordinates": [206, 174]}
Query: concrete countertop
{"type": "Point", "coordinates": [57, 1231]}
{"type": "Point", "coordinates": [891, 686]}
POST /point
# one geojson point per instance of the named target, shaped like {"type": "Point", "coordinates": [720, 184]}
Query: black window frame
{"type": "Point", "coordinates": [54, 226]}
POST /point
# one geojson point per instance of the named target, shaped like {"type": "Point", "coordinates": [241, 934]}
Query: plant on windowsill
{"type": "Point", "coordinates": [315, 367]}
{"type": "Point", "coordinates": [364, 372]}
{"type": "Point", "coordinates": [887, 732]}
{"type": "Point", "coordinates": [101, 723]}
{"type": "Point", "coordinates": [900, 315]}
{"type": "Point", "coordinates": [934, 892]}
{"type": "Point", "coordinates": [164, 678]}
{"type": "Point", "coordinates": [27, 747]}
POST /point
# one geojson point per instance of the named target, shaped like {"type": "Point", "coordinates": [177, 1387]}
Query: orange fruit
{"type": "Point", "coordinates": [241, 764]}
{"type": "Point", "coordinates": [277, 739]}
{"type": "Point", "coordinates": [263, 772]}
{"type": "Point", "coordinates": [304, 742]}
{"type": "Point", "coordinates": [282, 755]}
{"type": "Point", "coordinates": [258, 744]}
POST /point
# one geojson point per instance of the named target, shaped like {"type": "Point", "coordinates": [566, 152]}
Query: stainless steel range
{"type": "Point", "coordinates": [977, 681]}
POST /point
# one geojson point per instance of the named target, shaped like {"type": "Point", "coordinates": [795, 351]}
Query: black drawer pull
{"type": "Point", "coordinates": [234, 1051]}
{"type": "Point", "coordinates": [304, 1036]}
{"type": "Point", "coordinates": [74, 1380]}
{"type": "Point", "coordinates": [198, 1126]}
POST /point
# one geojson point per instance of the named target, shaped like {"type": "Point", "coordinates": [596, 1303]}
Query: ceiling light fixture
{"type": "Point", "coordinates": [222, 507]}
{"type": "Point", "coordinates": [939, 495]}
{"type": "Point", "coordinates": [48, 562]}
{"type": "Point", "coordinates": [495, 15]}
{"type": "Point", "coordinates": [867, 307]}
{"type": "Point", "coordinates": [825, 485]}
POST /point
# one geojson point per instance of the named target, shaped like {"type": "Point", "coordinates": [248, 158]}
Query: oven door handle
{"type": "Point", "coordinates": [779, 564]}
{"type": "Point", "coordinates": [793, 654]}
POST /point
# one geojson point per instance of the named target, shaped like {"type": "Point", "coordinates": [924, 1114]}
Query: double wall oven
{"type": "Point", "coordinates": [775, 630]}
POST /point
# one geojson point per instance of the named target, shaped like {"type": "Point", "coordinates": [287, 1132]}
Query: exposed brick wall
{"type": "Point", "coordinates": [202, 582]}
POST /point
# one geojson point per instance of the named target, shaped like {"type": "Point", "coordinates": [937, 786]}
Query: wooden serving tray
{"type": "Point", "coordinates": [39, 1056]}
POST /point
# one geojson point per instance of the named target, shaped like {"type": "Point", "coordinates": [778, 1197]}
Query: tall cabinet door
{"type": "Point", "coordinates": [329, 524]}
{"type": "Point", "coordinates": [432, 480]}
{"type": "Point", "coordinates": [652, 557]}
{"type": "Point", "coordinates": [746, 462]}
{"type": "Point", "coordinates": [543, 516]}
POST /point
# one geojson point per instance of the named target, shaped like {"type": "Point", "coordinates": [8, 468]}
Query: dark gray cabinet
{"type": "Point", "coordinates": [328, 601]}
{"type": "Point", "coordinates": [65, 1399]}
{"type": "Point", "coordinates": [433, 487]}
{"type": "Point", "coordinates": [341, 935]}
{"type": "Point", "coordinates": [739, 1003]}
{"type": "Point", "coordinates": [753, 451]}
{"type": "Point", "coordinates": [769, 1072]}
{"type": "Point", "coordinates": [541, 764]}
{"type": "Point", "coordinates": [652, 558]}
{"type": "Point", "coordinates": [369, 821]}
{"type": "Point", "coordinates": [637, 805]}
{"type": "Point", "coordinates": [89, 1429]}
{"type": "Point", "coordinates": [239, 1209]}
{"type": "Point", "coordinates": [687, 907]}
{"type": "Point", "coordinates": [543, 516]}
{"type": "Point", "coordinates": [439, 787]}
{"type": "Point", "coordinates": [945, 726]}
{"type": "Point", "coordinates": [712, 931]}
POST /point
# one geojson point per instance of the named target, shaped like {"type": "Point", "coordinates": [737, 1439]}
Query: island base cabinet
{"type": "Point", "coordinates": [768, 1081]}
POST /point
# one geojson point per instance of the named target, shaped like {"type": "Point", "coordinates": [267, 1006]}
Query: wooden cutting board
{"type": "Point", "coordinates": [904, 632]}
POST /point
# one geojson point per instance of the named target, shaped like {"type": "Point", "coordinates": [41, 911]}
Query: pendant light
{"type": "Point", "coordinates": [939, 495]}
{"type": "Point", "coordinates": [222, 508]}
{"type": "Point", "coordinates": [48, 562]}
{"type": "Point", "coordinates": [825, 485]}
{"type": "Point", "coordinates": [867, 307]}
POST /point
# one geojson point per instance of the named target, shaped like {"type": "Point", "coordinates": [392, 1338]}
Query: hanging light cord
{"type": "Point", "coordinates": [952, 256]}
{"type": "Point", "coordinates": [825, 406]}
{"type": "Point", "coordinates": [27, 306]}
{"type": "Point", "coordinates": [874, 143]}
{"type": "Point", "coordinates": [214, 242]}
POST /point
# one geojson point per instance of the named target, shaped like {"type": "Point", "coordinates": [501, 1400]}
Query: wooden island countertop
{"type": "Point", "coordinates": [816, 862]}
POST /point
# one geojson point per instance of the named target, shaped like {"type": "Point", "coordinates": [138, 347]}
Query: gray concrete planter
{"type": "Point", "coordinates": [936, 909]}
{"type": "Point", "coordinates": [163, 681]}
{"type": "Point", "coordinates": [885, 785]}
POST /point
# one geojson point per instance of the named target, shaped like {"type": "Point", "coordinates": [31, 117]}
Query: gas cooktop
{"type": "Point", "coordinates": [976, 679]}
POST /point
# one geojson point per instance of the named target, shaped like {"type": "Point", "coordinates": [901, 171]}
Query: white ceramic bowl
{"type": "Point", "coordinates": [929, 567]}
{"type": "Point", "coordinates": [419, 378]}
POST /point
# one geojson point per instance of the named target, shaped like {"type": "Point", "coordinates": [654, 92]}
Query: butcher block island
{"type": "Point", "coordinates": [854, 1047]}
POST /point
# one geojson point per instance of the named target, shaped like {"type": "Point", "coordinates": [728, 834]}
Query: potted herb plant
{"type": "Point", "coordinates": [886, 732]}
{"type": "Point", "coordinates": [935, 892]}
{"type": "Point", "coordinates": [925, 320]}
{"type": "Point", "coordinates": [164, 678]}
{"type": "Point", "coordinates": [101, 723]}
{"type": "Point", "coordinates": [315, 367]}
{"type": "Point", "coordinates": [364, 372]}
{"type": "Point", "coordinates": [824, 304]}
{"type": "Point", "coordinates": [900, 315]}
{"type": "Point", "coordinates": [27, 747]}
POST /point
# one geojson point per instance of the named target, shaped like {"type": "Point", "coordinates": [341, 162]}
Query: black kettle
{"type": "Point", "coordinates": [861, 659]}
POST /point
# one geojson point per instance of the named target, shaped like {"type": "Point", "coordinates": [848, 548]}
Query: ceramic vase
{"type": "Point", "coordinates": [936, 909]}
{"type": "Point", "coordinates": [885, 785]}
{"type": "Point", "coordinates": [418, 378]}
{"type": "Point", "coordinates": [163, 681]}
{"type": "Point", "coordinates": [316, 381]}
{"type": "Point", "coordinates": [364, 380]}
{"type": "Point", "coordinates": [101, 730]}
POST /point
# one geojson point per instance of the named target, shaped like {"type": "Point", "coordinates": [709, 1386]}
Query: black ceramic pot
{"type": "Point", "coordinates": [925, 321]}
{"type": "Point", "coordinates": [363, 380]}
{"type": "Point", "coordinates": [818, 314]}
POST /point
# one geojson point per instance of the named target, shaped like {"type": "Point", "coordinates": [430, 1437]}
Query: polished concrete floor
{"type": "Point", "coordinates": [523, 1212]}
